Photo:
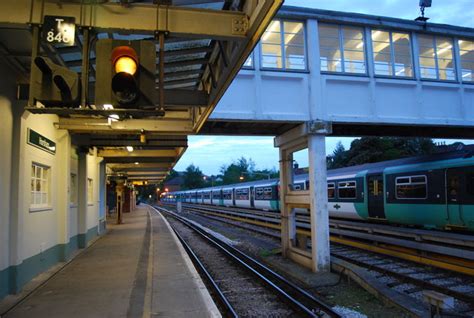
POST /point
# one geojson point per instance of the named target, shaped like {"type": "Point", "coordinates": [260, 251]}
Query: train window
{"type": "Point", "coordinates": [216, 195]}
{"type": "Point", "coordinates": [259, 194]}
{"type": "Point", "coordinates": [331, 190]}
{"type": "Point", "coordinates": [207, 195]}
{"type": "Point", "coordinates": [376, 187]}
{"type": "Point", "coordinates": [242, 194]}
{"type": "Point", "coordinates": [227, 195]}
{"type": "Point", "coordinates": [267, 193]}
{"type": "Point", "coordinates": [413, 187]}
{"type": "Point", "coordinates": [347, 189]}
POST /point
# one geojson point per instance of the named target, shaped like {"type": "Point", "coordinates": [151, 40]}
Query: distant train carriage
{"type": "Point", "coordinates": [434, 191]}
{"type": "Point", "coordinates": [243, 198]}
{"type": "Point", "coordinates": [266, 196]}
{"type": "Point", "coordinates": [217, 197]}
{"type": "Point", "coordinates": [206, 196]}
{"type": "Point", "coordinates": [228, 196]}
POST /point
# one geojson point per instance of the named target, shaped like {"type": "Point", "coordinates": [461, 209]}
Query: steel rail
{"type": "Point", "coordinates": [296, 296]}
{"type": "Point", "coordinates": [230, 311]}
{"type": "Point", "coordinates": [405, 278]}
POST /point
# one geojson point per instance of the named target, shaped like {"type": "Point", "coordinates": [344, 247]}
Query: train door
{"type": "Point", "coordinates": [252, 197]}
{"type": "Point", "coordinates": [375, 198]}
{"type": "Point", "coordinates": [455, 192]}
{"type": "Point", "coordinates": [233, 196]}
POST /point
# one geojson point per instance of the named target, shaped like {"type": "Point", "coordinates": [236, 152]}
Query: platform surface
{"type": "Point", "coordinates": [138, 269]}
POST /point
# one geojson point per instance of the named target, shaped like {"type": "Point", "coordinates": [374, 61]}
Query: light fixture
{"type": "Point", "coordinates": [136, 162]}
{"type": "Point", "coordinates": [108, 106]}
{"type": "Point", "coordinates": [241, 178]}
{"type": "Point", "coordinates": [142, 136]}
{"type": "Point", "coordinates": [129, 148]}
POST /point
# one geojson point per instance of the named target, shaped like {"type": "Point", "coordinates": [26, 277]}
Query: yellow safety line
{"type": "Point", "coordinates": [468, 269]}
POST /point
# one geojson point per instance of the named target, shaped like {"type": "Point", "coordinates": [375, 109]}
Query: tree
{"type": "Point", "coordinates": [375, 149]}
{"type": "Point", "coordinates": [338, 157]}
{"type": "Point", "coordinates": [233, 172]}
{"type": "Point", "coordinates": [193, 178]}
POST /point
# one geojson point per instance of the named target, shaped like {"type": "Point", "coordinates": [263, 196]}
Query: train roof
{"type": "Point", "coordinates": [376, 167]}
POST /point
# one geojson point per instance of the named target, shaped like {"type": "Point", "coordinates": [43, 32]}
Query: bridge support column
{"type": "Point", "coordinates": [310, 135]}
{"type": "Point", "coordinates": [318, 194]}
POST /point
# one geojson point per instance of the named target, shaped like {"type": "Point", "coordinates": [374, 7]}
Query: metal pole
{"type": "Point", "coordinates": [85, 67]}
{"type": "Point", "coordinates": [161, 38]}
{"type": "Point", "coordinates": [34, 54]}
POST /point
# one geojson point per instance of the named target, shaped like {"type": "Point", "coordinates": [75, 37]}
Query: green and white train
{"type": "Point", "coordinates": [435, 191]}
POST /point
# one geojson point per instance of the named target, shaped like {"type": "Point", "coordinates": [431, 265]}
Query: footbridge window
{"type": "Point", "coordinates": [436, 57]}
{"type": "Point", "coordinates": [392, 53]}
{"type": "Point", "coordinates": [466, 51]}
{"type": "Point", "coordinates": [283, 46]}
{"type": "Point", "coordinates": [342, 49]}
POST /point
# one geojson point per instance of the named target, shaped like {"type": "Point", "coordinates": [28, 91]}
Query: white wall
{"type": "Point", "coordinates": [73, 210]}
{"type": "Point", "coordinates": [7, 90]}
{"type": "Point", "coordinates": [41, 227]}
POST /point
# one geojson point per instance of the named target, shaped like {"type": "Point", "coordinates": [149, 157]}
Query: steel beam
{"type": "Point", "coordinates": [136, 153]}
{"type": "Point", "coordinates": [169, 160]}
{"type": "Point", "coordinates": [136, 18]}
{"type": "Point", "coordinates": [92, 125]}
{"type": "Point", "coordinates": [128, 140]}
{"type": "Point", "coordinates": [155, 165]}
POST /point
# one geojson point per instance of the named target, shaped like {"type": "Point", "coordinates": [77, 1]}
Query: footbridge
{"type": "Point", "coordinates": [317, 73]}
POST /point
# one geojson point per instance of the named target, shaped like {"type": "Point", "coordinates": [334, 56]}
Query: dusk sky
{"type": "Point", "coordinates": [209, 153]}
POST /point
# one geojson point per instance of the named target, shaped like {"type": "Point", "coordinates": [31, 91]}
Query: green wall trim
{"type": "Point", "coordinates": [4, 282]}
{"type": "Point", "coordinates": [13, 278]}
{"type": "Point", "coordinates": [84, 238]}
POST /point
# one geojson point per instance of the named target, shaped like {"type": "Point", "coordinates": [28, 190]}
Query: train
{"type": "Point", "coordinates": [430, 191]}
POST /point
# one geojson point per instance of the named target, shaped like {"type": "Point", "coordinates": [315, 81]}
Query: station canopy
{"type": "Point", "coordinates": [205, 43]}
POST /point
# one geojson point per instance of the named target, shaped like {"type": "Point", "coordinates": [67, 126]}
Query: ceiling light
{"type": "Point", "coordinates": [129, 148]}
{"type": "Point", "coordinates": [136, 162]}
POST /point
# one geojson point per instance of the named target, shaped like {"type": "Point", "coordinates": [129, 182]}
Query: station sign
{"type": "Point", "coordinates": [41, 142]}
{"type": "Point", "coordinates": [59, 30]}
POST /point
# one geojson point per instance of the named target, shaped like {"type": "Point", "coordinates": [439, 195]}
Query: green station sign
{"type": "Point", "coordinates": [41, 142]}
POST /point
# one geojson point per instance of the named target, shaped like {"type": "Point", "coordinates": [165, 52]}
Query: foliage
{"type": "Point", "coordinates": [375, 149]}
{"type": "Point", "coordinates": [193, 178]}
{"type": "Point", "coordinates": [244, 170]}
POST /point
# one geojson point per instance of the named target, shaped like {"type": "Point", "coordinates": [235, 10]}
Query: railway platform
{"type": "Point", "coordinates": [137, 269]}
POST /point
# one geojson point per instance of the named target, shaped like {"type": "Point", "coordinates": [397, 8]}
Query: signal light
{"type": "Point", "coordinates": [54, 85]}
{"type": "Point", "coordinates": [124, 85]}
{"type": "Point", "coordinates": [125, 73]}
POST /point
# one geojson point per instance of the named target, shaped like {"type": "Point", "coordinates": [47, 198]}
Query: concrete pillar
{"type": "Point", "coordinates": [319, 202]}
{"type": "Point", "coordinates": [119, 189]}
{"type": "Point", "coordinates": [82, 203]}
{"type": "Point", "coordinates": [18, 202]}
{"type": "Point", "coordinates": [287, 224]}
{"type": "Point", "coordinates": [63, 191]}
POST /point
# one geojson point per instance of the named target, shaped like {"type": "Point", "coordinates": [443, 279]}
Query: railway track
{"type": "Point", "coordinates": [232, 273]}
{"type": "Point", "coordinates": [450, 251]}
{"type": "Point", "coordinates": [406, 277]}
